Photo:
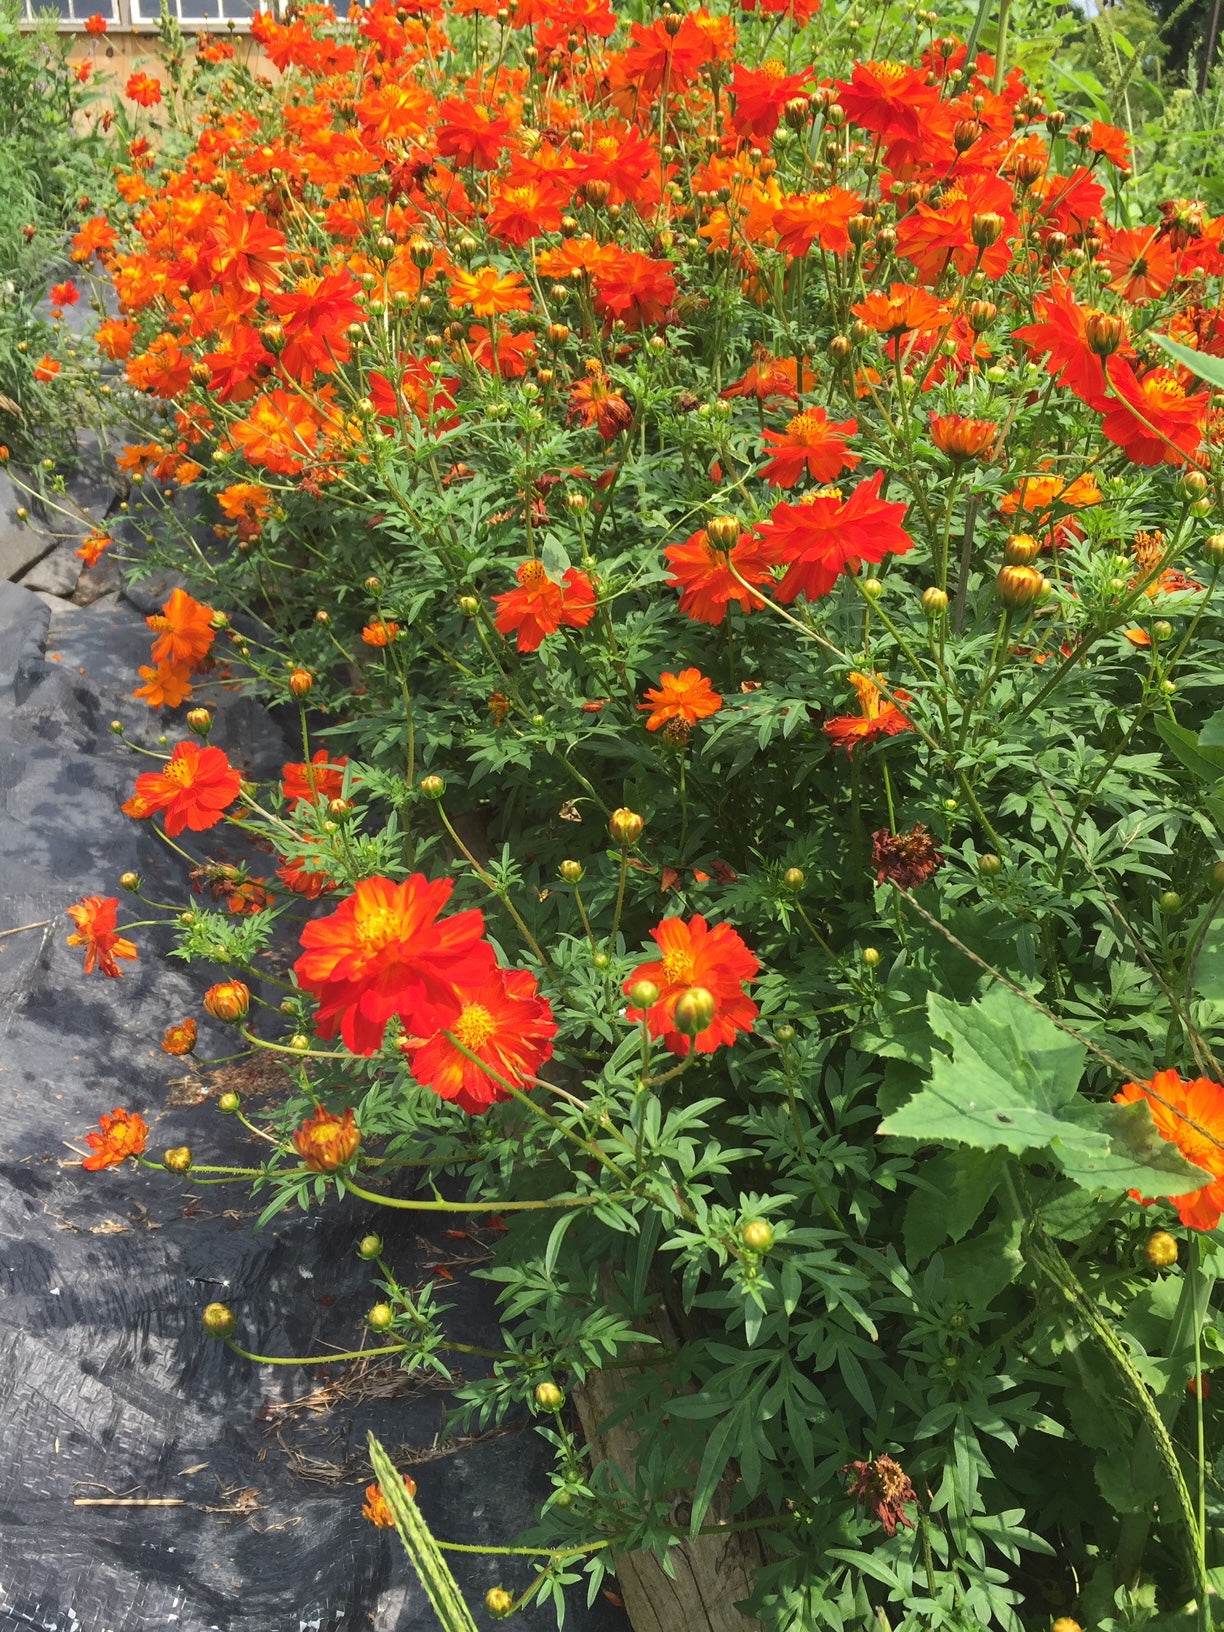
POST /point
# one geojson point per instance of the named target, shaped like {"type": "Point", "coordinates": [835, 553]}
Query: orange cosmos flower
{"type": "Point", "coordinates": [470, 134]}
{"type": "Point", "coordinates": [540, 607]}
{"type": "Point", "coordinates": [380, 633]}
{"type": "Point", "coordinates": [1152, 419]}
{"type": "Point", "coordinates": [805, 219]}
{"type": "Point", "coordinates": [63, 294]}
{"type": "Point", "coordinates": [715, 961]}
{"type": "Point", "coordinates": [376, 1509]}
{"type": "Point", "coordinates": [505, 1023]}
{"type": "Point", "coordinates": [876, 718]}
{"type": "Point", "coordinates": [382, 953]}
{"type": "Point", "coordinates": [595, 401]}
{"type": "Point", "coordinates": [1061, 334]}
{"type": "Point", "coordinates": [962, 438]}
{"type": "Point", "coordinates": [94, 917]}
{"type": "Point", "coordinates": [46, 369]}
{"type": "Point", "coordinates": [768, 376]}
{"type": "Point", "coordinates": [180, 1038]}
{"type": "Point", "coordinates": [1111, 143]}
{"type": "Point", "coordinates": [95, 24]}
{"type": "Point", "coordinates": [92, 546]}
{"type": "Point", "coordinates": [811, 442]}
{"type": "Point", "coordinates": [193, 790]}
{"type": "Point", "coordinates": [279, 431]}
{"type": "Point", "coordinates": [687, 696]}
{"type": "Point", "coordinates": [634, 288]}
{"type": "Point", "coordinates": [701, 571]}
{"type": "Point", "coordinates": [123, 1134]}
{"type": "Point", "coordinates": [95, 237]}
{"type": "Point", "coordinates": [1189, 1115]}
{"type": "Point", "coordinates": [1140, 264]}
{"type": "Point", "coordinates": [826, 535]}
{"type": "Point", "coordinates": [489, 292]}
{"type": "Point", "coordinates": [166, 686]}
{"type": "Point", "coordinates": [326, 1142]}
{"type": "Point", "coordinates": [903, 310]}
{"type": "Point", "coordinates": [145, 90]}
{"type": "Point", "coordinates": [245, 502]}
{"type": "Point", "coordinates": [184, 631]}
{"type": "Point", "coordinates": [306, 784]}
{"type": "Point", "coordinates": [115, 337]}
{"type": "Point", "coordinates": [246, 252]}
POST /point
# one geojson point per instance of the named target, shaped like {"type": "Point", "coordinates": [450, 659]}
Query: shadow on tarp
{"type": "Point", "coordinates": [108, 1388]}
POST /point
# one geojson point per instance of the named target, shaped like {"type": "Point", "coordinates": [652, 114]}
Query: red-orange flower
{"type": "Point", "coordinates": [306, 784]}
{"type": "Point", "coordinates": [123, 1134]}
{"type": "Point", "coordinates": [701, 571]}
{"type": "Point", "coordinates": [1152, 419]}
{"type": "Point", "coordinates": [596, 401]}
{"type": "Point", "coordinates": [382, 953]}
{"type": "Point", "coordinates": [826, 535]}
{"type": "Point", "coordinates": [1140, 263]}
{"type": "Point", "coordinates": [145, 90]}
{"type": "Point", "coordinates": [96, 24]}
{"type": "Point", "coordinates": [715, 961]}
{"type": "Point", "coordinates": [687, 696]}
{"type": "Point", "coordinates": [489, 292]}
{"type": "Point", "coordinates": [1189, 1115]}
{"type": "Point", "coordinates": [540, 607]}
{"type": "Point", "coordinates": [94, 917]}
{"type": "Point", "coordinates": [811, 442]}
{"type": "Point", "coordinates": [184, 631]}
{"type": "Point", "coordinates": [180, 1038]}
{"type": "Point", "coordinates": [381, 632]}
{"type": "Point", "coordinates": [505, 1023]}
{"type": "Point", "coordinates": [876, 717]}
{"type": "Point", "coordinates": [193, 790]}
{"type": "Point", "coordinates": [326, 1142]}
{"type": "Point", "coordinates": [376, 1509]}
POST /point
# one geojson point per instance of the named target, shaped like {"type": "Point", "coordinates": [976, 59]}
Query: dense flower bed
{"type": "Point", "coordinates": [735, 519]}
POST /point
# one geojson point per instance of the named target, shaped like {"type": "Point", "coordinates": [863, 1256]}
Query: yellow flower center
{"type": "Point", "coordinates": [180, 771]}
{"type": "Point", "coordinates": [678, 967]}
{"type": "Point", "coordinates": [376, 927]}
{"type": "Point", "coordinates": [805, 428]}
{"type": "Point", "coordinates": [474, 1027]}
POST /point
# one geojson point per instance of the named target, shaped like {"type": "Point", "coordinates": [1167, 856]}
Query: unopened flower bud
{"type": "Point", "coordinates": [986, 229]}
{"type": "Point", "coordinates": [300, 681]}
{"type": "Point", "coordinates": [643, 994]}
{"type": "Point", "coordinates": [757, 1235]}
{"type": "Point", "coordinates": [572, 871]}
{"type": "Point", "coordinates": [626, 827]}
{"type": "Point", "coordinates": [872, 588]}
{"type": "Point", "coordinates": [229, 1000]}
{"type": "Point", "coordinates": [499, 1602]}
{"type": "Point", "coordinates": [199, 721]}
{"type": "Point", "coordinates": [934, 601]}
{"type": "Point", "coordinates": [1194, 484]}
{"type": "Point", "coordinates": [420, 252]}
{"type": "Point", "coordinates": [981, 315]}
{"type": "Point", "coordinates": [177, 1160]}
{"type": "Point", "coordinates": [1213, 548]}
{"type": "Point", "coordinates": [1019, 586]}
{"type": "Point", "coordinates": [229, 1103]}
{"type": "Point", "coordinates": [549, 1397]}
{"type": "Point", "coordinates": [694, 1010]}
{"type": "Point", "coordinates": [723, 531]}
{"type": "Point", "coordinates": [1021, 550]}
{"type": "Point", "coordinates": [990, 864]}
{"type": "Point", "coordinates": [870, 957]}
{"type": "Point", "coordinates": [381, 1318]}
{"type": "Point", "coordinates": [1161, 1250]}
{"type": "Point", "coordinates": [1105, 332]}
{"type": "Point", "coordinates": [793, 879]}
{"type": "Point", "coordinates": [370, 1246]}
{"type": "Point", "coordinates": [218, 1320]}
{"type": "Point", "coordinates": [129, 881]}
{"type": "Point", "coordinates": [431, 786]}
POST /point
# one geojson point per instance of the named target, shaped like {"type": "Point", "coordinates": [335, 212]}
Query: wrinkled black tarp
{"type": "Point", "coordinates": [107, 1386]}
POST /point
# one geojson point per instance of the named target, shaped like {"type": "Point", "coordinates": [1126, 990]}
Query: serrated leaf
{"type": "Point", "coordinates": [1137, 1158]}
{"type": "Point", "coordinates": [1010, 1074]}
{"type": "Point", "coordinates": [956, 1187]}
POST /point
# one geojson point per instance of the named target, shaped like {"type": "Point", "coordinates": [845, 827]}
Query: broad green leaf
{"type": "Point", "coordinates": [1011, 1085]}
{"type": "Point", "coordinates": [955, 1188]}
{"type": "Point", "coordinates": [1212, 734]}
{"type": "Point", "coordinates": [1207, 368]}
{"type": "Point", "coordinates": [1207, 763]}
{"type": "Point", "coordinates": [1010, 1073]}
{"type": "Point", "coordinates": [1209, 964]}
